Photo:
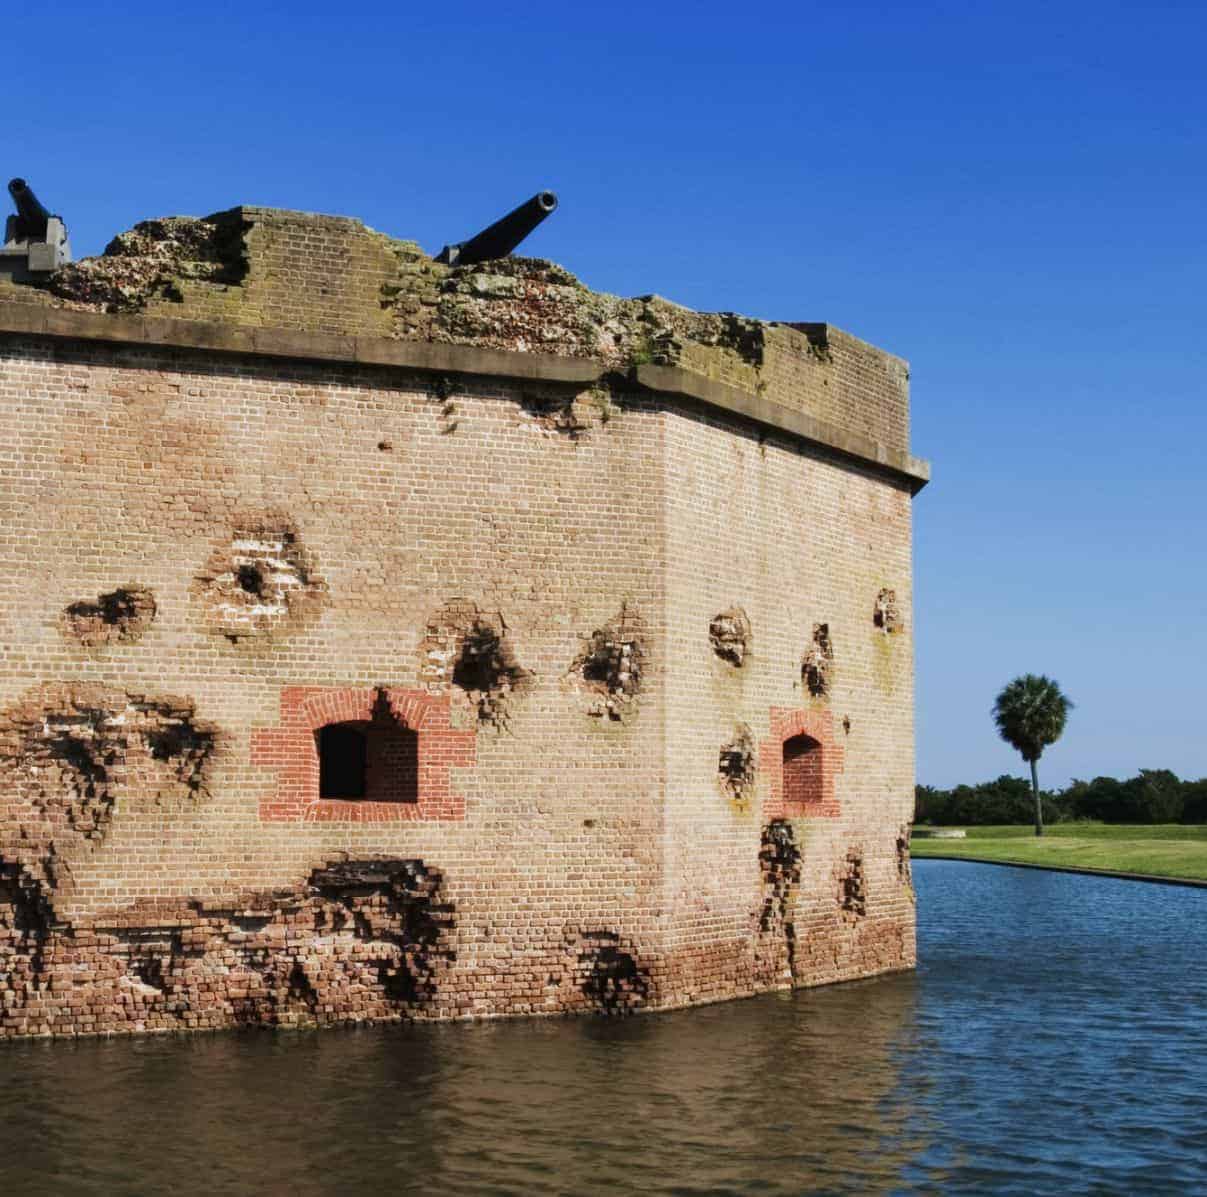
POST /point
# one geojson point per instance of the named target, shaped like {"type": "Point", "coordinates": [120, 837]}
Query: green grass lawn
{"type": "Point", "coordinates": [1164, 850]}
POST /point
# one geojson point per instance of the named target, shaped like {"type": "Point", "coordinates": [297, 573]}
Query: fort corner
{"type": "Point", "coordinates": [390, 639]}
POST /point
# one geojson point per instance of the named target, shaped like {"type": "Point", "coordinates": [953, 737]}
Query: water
{"type": "Point", "coordinates": [1054, 1040]}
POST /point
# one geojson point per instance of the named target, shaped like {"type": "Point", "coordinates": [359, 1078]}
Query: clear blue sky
{"type": "Point", "coordinates": [1010, 195]}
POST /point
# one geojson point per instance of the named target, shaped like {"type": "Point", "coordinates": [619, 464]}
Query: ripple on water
{"type": "Point", "coordinates": [1052, 1040]}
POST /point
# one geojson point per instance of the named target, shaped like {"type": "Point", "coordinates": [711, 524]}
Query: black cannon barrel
{"type": "Point", "coordinates": [503, 236]}
{"type": "Point", "coordinates": [31, 216]}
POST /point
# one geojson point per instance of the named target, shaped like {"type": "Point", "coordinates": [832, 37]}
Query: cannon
{"type": "Point", "coordinates": [35, 242]}
{"type": "Point", "coordinates": [32, 217]}
{"type": "Point", "coordinates": [500, 238]}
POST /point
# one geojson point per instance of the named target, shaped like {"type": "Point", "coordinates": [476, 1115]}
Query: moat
{"type": "Point", "coordinates": [1052, 1040]}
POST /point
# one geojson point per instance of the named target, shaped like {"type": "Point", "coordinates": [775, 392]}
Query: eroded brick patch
{"type": "Point", "coordinates": [119, 616]}
{"type": "Point", "coordinates": [780, 867]}
{"type": "Point", "coordinates": [359, 940]}
{"type": "Point", "coordinates": [887, 614]}
{"type": "Point", "coordinates": [852, 885]}
{"type": "Point", "coordinates": [469, 650]}
{"type": "Point", "coordinates": [736, 767]}
{"type": "Point", "coordinates": [68, 752]}
{"type": "Point", "coordinates": [609, 975]}
{"type": "Point", "coordinates": [904, 871]}
{"type": "Point", "coordinates": [261, 581]}
{"type": "Point", "coordinates": [817, 665]}
{"type": "Point", "coordinates": [730, 636]}
{"type": "Point", "coordinates": [819, 798]}
{"type": "Point", "coordinates": [291, 751]}
{"type": "Point", "coordinates": [608, 671]}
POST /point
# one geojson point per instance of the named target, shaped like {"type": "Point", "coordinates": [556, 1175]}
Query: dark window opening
{"type": "Point", "coordinates": [802, 772]}
{"type": "Point", "coordinates": [343, 757]}
{"type": "Point", "coordinates": [374, 762]}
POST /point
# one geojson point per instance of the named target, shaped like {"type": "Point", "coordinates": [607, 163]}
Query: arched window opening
{"type": "Point", "coordinates": [802, 773]}
{"type": "Point", "coordinates": [375, 761]}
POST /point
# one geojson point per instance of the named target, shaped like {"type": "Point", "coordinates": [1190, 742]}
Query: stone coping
{"type": "Point", "coordinates": [68, 324]}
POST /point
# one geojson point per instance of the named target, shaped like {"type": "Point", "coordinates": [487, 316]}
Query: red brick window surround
{"type": "Point", "coordinates": [391, 752]}
{"type": "Point", "coordinates": [801, 761]}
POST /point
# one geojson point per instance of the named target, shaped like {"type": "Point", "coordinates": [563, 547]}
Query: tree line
{"type": "Point", "coordinates": [1152, 796]}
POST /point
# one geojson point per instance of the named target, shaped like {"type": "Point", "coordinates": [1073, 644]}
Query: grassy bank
{"type": "Point", "coordinates": [1164, 850]}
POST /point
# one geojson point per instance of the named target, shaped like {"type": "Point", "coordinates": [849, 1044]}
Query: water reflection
{"type": "Point", "coordinates": [1048, 1043]}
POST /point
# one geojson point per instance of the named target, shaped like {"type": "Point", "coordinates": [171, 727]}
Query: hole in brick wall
{"type": "Point", "coordinates": [262, 581]}
{"type": "Point", "coordinates": [802, 771]}
{"type": "Point", "coordinates": [729, 634]}
{"type": "Point", "coordinates": [372, 760]}
{"type": "Point", "coordinates": [852, 897]}
{"type": "Point", "coordinates": [487, 671]}
{"type": "Point", "coordinates": [780, 866]}
{"type": "Point", "coordinates": [904, 872]}
{"type": "Point", "coordinates": [610, 977]}
{"type": "Point", "coordinates": [554, 411]}
{"type": "Point", "coordinates": [736, 766]}
{"type": "Point", "coordinates": [817, 665]}
{"type": "Point", "coordinates": [121, 615]}
{"type": "Point", "coordinates": [251, 579]}
{"type": "Point", "coordinates": [611, 665]}
{"type": "Point", "coordinates": [469, 649]}
{"type": "Point", "coordinates": [887, 615]}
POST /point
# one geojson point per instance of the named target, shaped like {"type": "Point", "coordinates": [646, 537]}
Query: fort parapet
{"type": "Point", "coordinates": [387, 639]}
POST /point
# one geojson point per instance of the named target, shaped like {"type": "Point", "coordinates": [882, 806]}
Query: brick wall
{"type": "Point", "coordinates": [577, 628]}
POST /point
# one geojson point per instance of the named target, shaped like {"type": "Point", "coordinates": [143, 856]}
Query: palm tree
{"type": "Point", "coordinates": [1030, 714]}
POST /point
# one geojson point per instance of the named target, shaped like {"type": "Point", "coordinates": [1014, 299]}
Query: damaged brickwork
{"type": "Point", "coordinates": [610, 977]}
{"type": "Point", "coordinates": [904, 871]}
{"type": "Point", "coordinates": [730, 636]}
{"type": "Point", "coordinates": [360, 940]}
{"type": "Point", "coordinates": [468, 649]}
{"type": "Point", "coordinates": [302, 439]}
{"type": "Point", "coordinates": [609, 668]}
{"type": "Point", "coordinates": [261, 581]}
{"type": "Point", "coordinates": [817, 665]}
{"type": "Point", "coordinates": [736, 767]}
{"type": "Point", "coordinates": [69, 752]}
{"type": "Point", "coordinates": [852, 893]}
{"type": "Point", "coordinates": [887, 614]}
{"type": "Point", "coordinates": [119, 616]}
{"type": "Point", "coordinates": [780, 866]}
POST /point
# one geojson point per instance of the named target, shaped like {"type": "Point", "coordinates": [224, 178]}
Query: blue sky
{"type": "Point", "coordinates": [1010, 195]}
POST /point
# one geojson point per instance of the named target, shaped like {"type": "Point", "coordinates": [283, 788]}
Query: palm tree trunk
{"type": "Point", "coordinates": [1039, 810]}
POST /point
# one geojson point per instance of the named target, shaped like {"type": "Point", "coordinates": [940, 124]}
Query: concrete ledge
{"type": "Point", "coordinates": [938, 833]}
{"type": "Point", "coordinates": [675, 380]}
{"type": "Point", "coordinates": [161, 331]}
{"type": "Point", "coordinates": [1191, 882]}
{"type": "Point", "coordinates": [164, 332]}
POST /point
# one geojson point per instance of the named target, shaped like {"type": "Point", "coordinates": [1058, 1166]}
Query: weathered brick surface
{"type": "Point", "coordinates": [588, 615]}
